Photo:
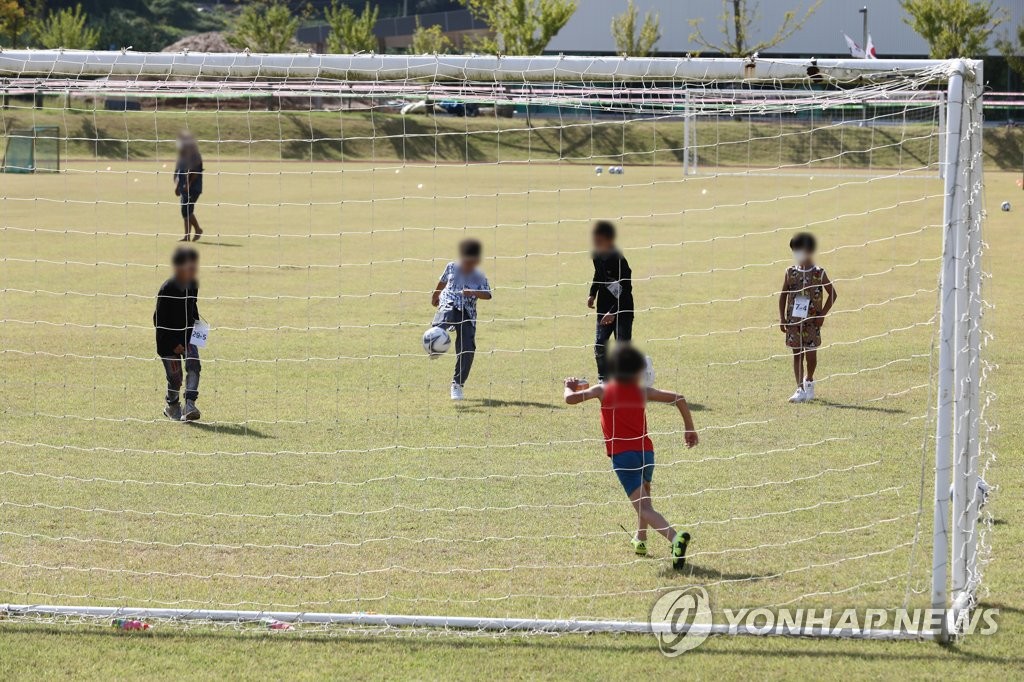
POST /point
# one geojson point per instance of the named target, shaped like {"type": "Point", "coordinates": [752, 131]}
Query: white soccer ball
{"type": "Point", "coordinates": [981, 496]}
{"type": "Point", "coordinates": [1006, 206]}
{"type": "Point", "coordinates": [649, 374]}
{"type": "Point", "coordinates": [598, 170]}
{"type": "Point", "coordinates": [436, 341]}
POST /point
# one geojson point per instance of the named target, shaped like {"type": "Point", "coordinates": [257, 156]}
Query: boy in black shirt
{"type": "Point", "coordinates": [176, 312]}
{"type": "Point", "coordinates": [188, 182]}
{"type": "Point", "coordinates": [611, 293]}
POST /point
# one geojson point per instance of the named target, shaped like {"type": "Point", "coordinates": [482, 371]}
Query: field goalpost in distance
{"type": "Point", "coordinates": [652, 87]}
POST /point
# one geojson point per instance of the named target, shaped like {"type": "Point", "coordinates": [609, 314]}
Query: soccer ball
{"type": "Point", "coordinates": [649, 372]}
{"type": "Point", "coordinates": [1005, 206]}
{"type": "Point", "coordinates": [598, 170]}
{"type": "Point", "coordinates": [981, 496]}
{"type": "Point", "coordinates": [436, 341]}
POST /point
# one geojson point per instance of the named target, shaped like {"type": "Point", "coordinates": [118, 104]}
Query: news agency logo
{"type": "Point", "coordinates": [681, 620]}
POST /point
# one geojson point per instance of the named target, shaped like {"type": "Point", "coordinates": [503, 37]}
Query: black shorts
{"type": "Point", "coordinates": [188, 204]}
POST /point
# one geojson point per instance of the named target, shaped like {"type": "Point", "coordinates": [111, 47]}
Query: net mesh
{"type": "Point", "coordinates": [331, 472]}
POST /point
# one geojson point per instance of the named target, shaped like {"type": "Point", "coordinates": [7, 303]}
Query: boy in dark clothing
{"type": "Point", "coordinates": [611, 293]}
{"type": "Point", "coordinates": [188, 182]}
{"type": "Point", "coordinates": [176, 312]}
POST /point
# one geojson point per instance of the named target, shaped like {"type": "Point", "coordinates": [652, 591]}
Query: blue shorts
{"type": "Point", "coordinates": [633, 468]}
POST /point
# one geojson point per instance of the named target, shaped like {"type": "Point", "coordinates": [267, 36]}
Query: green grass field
{"type": "Point", "coordinates": [332, 473]}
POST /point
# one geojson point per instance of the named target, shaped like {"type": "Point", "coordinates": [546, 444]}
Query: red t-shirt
{"type": "Point", "coordinates": [624, 418]}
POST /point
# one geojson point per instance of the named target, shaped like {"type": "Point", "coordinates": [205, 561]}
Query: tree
{"type": "Point", "coordinates": [12, 18]}
{"type": "Point", "coordinates": [953, 28]}
{"type": "Point", "coordinates": [520, 27]}
{"type": "Point", "coordinates": [67, 28]}
{"type": "Point", "coordinates": [429, 40]}
{"type": "Point", "coordinates": [634, 42]}
{"type": "Point", "coordinates": [738, 19]}
{"type": "Point", "coordinates": [351, 32]}
{"type": "Point", "coordinates": [265, 27]}
{"type": "Point", "coordinates": [1013, 50]}
{"type": "Point", "coordinates": [149, 25]}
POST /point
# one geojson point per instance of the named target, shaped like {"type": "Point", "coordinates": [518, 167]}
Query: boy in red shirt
{"type": "Point", "coordinates": [624, 422]}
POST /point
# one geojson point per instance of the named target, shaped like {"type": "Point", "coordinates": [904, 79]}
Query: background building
{"type": "Point", "coordinates": [821, 36]}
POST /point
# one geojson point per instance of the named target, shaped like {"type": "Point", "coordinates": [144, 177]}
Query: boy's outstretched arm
{"type": "Point", "coordinates": [658, 396]}
{"type": "Point", "coordinates": [482, 294]}
{"type": "Point", "coordinates": [830, 289]}
{"type": "Point", "coordinates": [783, 304]}
{"type": "Point", "coordinates": [435, 297]}
{"type": "Point", "coordinates": [574, 395]}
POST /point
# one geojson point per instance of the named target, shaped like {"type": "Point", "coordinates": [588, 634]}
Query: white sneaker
{"type": "Point", "coordinates": [808, 391]}
{"type": "Point", "coordinates": [456, 392]}
{"type": "Point", "coordinates": [799, 396]}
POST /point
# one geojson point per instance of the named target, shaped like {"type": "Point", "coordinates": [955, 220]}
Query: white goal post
{"type": "Point", "coordinates": [681, 90]}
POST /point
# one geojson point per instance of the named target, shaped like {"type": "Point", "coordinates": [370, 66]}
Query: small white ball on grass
{"type": "Point", "coordinates": [397, 171]}
{"type": "Point", "coordinates": [135, 180]}
{"type": "Point", "coordinates": [419, 186]}
{"type": "Point", "coordinates": [1006, 206]}
{"type": "Point", "coordinates": [704, 191]}
{"type": "Point", "coordinates": [108, 167]}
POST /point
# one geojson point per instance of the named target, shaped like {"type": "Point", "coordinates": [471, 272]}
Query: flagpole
{"type": "Point", "coordinates": [864, 11]}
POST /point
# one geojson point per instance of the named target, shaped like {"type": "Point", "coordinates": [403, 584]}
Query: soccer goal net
{"type": "Point", "coordinates": [331, 483]}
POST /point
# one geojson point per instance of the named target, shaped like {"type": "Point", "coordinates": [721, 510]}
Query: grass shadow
{"type": "Point", "coordinates": [207, 242]}
{"type": "Point", "coordinates": [709, 573]}
{"type": "Point", "coordinates": [229, 429]}
{"type": "Point", "coordinates": [497, 402]}
{"type": "Point", "coordinates": [101, 145]}
{"type": "Point", "coordinates": [860, 408]}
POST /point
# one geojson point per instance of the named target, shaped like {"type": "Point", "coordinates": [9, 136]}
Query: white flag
{"type": "Point", "coordinates": [871, 54]}
{"type": "Point", "coordinates": [855, 49]}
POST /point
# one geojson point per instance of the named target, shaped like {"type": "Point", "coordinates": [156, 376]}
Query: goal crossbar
{"type": "Point", "coordinates": [70, 63]}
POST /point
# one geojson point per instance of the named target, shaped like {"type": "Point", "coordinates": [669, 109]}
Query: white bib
{"type": "Point", "coordinates": [200, 333]}
{"type": "Point", "coordinates": [615, 289]}
{"type": "Point", "coordinates": [801, 307]}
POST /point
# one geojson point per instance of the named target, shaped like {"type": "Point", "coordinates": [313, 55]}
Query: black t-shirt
{"type": "Point", "coordinates": [613, 284]}
{"type": "Point", "coordinates": [192, 165]}
{"type": "Point", "coordinates": [176, 311]}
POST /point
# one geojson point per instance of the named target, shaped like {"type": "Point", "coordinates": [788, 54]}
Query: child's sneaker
{"type": "Point", "coordinates": [679, 550]}
{"type": "Point", "coordinates": [639, 546]}
{"type": "Point", "coordinates": [799, 396]}
{"type": "Point", "coordinates": [457, 392]}
{"type": "Point", "coordinates": [173, 411]}
{"type": "Point", "coordinates": [808, 391]}
{"type": "Point", "coordinates": [191, 412]}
